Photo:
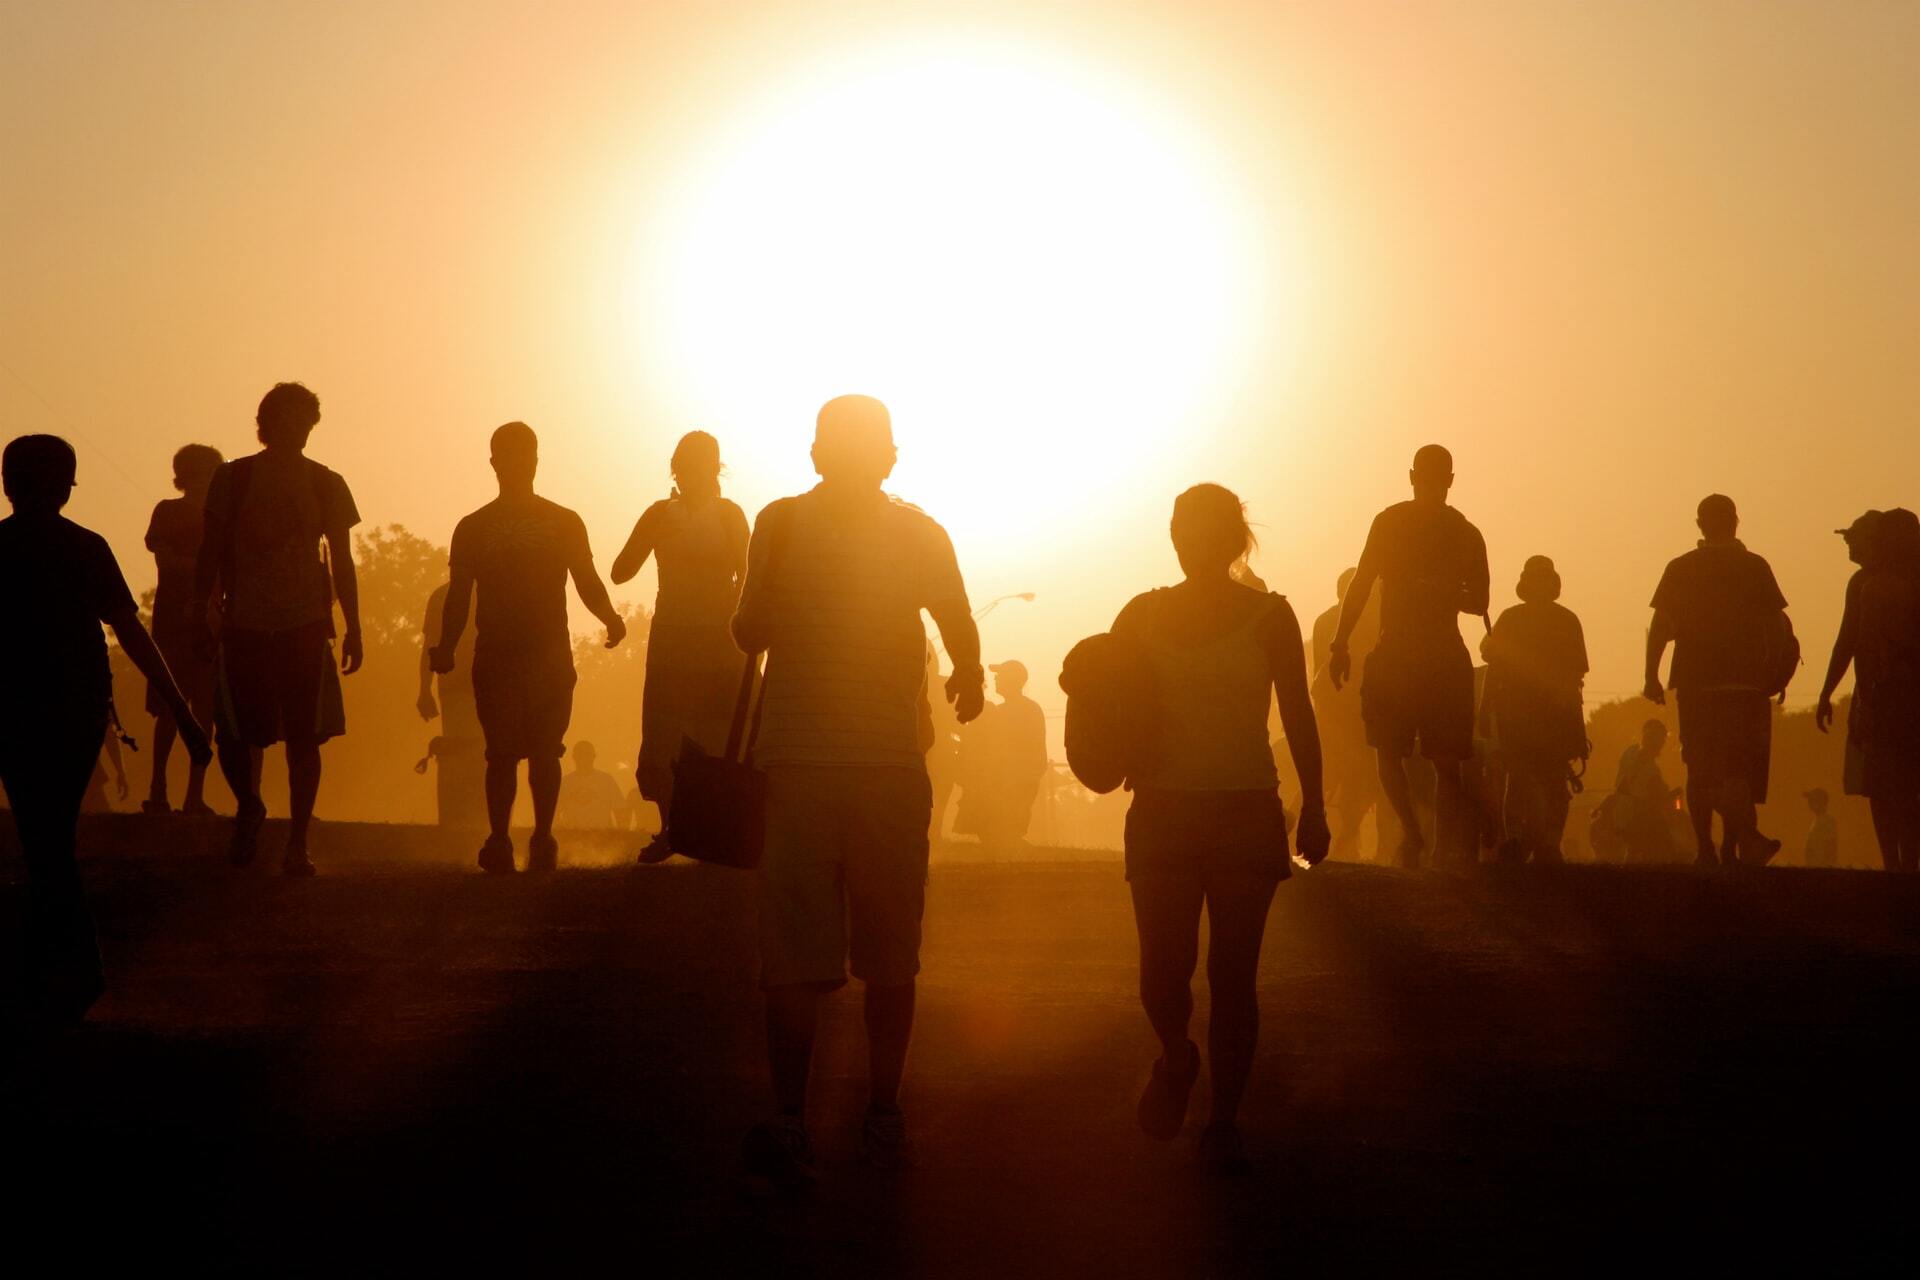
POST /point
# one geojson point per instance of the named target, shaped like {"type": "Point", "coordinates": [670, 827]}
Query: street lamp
{"type": "Point", "coordinates": [990, 605]}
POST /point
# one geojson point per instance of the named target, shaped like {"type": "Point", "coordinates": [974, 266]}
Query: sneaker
{"type": "Point", "coordinates": [496, 856]}
{"type": "Point", "coordinates": [779, 1151]}
{"type": "Point", "coordinates": [155, 805]}
{"type": "Point", "coordinates": [1219, 1151]}
{"type": "Point", "coordinates": [296, 865]}
{"type": "Point", "coordinates": [1163, 1104]}
{"type": "Point", "coordinates": [198, 809]}
{"type": "Point", "coordinates": [245, 842]}
{"type": "Point", "coordinates": [543, 854]}
{"type": "Point", "coordinates": [885, 1142]}
{"type": "Point", "coordinates": [656, 852]}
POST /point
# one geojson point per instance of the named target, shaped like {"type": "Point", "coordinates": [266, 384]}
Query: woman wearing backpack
{"type": "Point", "coordinates": [1206, 828]}
{"type": "Point", "coordinates": [693, 668]}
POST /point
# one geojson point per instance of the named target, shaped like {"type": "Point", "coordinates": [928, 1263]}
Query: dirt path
{"type": "Point", "coordinates": [390, 1068]}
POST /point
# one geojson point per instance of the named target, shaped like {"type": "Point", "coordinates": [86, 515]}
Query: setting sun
{"type": "Point", "coordinates": [1040, 273]}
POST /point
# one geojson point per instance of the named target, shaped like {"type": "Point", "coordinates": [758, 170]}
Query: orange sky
{"type": "Point", "coordinates": [1615, 256]}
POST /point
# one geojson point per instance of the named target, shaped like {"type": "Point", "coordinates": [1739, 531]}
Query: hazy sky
{"type": "Point", "coordinates": [1614, 255]}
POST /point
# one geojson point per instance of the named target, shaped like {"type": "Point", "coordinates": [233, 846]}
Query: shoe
{"type": "Point", "coordinates": [543, 855]}
{"type": "Point", "coordinates": [1219, 1151]}
{"type": "Point", "coordinates": [198, 809]}
{"type": "Point", "coordinates": [154, 804]}
{"type": "Point", "coordinates": [656, 852]}
{"type": "Point", "coordinates": [245, 842]}
{"type": "Point", "coordinates": [1760, 850]}
{"type": "Point", "coordinates": [1407, 855]}
{"type": "Point", "coordinates": [1706, 859]}
{"type": "Point", "coordinates": [496, 856]}
{"type": "Point", "coordinates": [779, 1151]}
{"type": "Point", "coordinates": [885, 1142]}
{"type": "Point", "coordinates": [1163, 1104]}
{"type": "Point", "coordinates": [296, 865]}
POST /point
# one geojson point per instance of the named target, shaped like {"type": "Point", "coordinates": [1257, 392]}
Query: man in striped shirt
{"type": "Point", "coordinates": [836, 581]}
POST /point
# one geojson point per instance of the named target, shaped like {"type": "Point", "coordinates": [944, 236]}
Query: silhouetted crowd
{"type": "Point", "coordinates": [828, 771]}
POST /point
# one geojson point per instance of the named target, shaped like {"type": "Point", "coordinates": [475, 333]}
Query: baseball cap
{"type": "Point", "coordinates": [1862, 523]}
{"type": "Point", "coordinates": [1011, 667]}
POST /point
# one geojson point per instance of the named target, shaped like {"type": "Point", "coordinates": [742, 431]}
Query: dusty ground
{"type": "Point", "coordinates": [402, 1064]}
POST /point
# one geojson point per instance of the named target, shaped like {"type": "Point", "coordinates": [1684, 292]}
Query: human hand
{"type": "Point", "coordinates": [440, 659]}
{"type": "Point", "coordinates": [616, 631]}
{"type": "Point", "coordinates": [352, 652]}
{"type": "Point", "coordinates": [1339, 665]}
{"type": "Point", "coordinates": [967, 691]}
{"type": "Point", "coordinates": [426, 705]}
{"type": "Point", "coordinates": [1823, 714]}
{"type": "Point", "coordinates": [1654, 693]}
{"type": "Point", "coordinates": [1312, 836]}
{"type": "Point", "coordinates": [120, 787]}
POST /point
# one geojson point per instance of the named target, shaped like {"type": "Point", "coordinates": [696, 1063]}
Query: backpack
{"type": "Point", "coordinates": [1109, 688]}
{"type": "Point", "coordinates": [1782, 658]}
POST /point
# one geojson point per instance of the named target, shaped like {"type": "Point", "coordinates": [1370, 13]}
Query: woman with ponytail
{"type": "Point", "coordinates": [693, 669]}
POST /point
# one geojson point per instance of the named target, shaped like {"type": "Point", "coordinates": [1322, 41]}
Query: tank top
{"type": "Point", "coordinates": [697, 586]}
{"type": "Point", "coordinates": [1211, 698]}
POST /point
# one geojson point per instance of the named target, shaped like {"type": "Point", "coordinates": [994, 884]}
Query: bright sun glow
{"type": "Point", "coordinates": [1040, 274]}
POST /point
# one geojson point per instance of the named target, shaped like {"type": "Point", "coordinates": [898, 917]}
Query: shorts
{"type": "Point", "coordinates": [524, 705]}
{"type": "Point", "coordinates": [1413, 689]}
{"type": "Point", "coordinates": [1208, 837]}
{"type": "Point", "coordinates": [1726, 735]}
{"type": "Point", "coordinates": [279, 686]}
{"type": "Point", "coordinates": [843, 883]}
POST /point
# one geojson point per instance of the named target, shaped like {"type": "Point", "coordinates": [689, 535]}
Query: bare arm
{"type": "Point", "coordinates": [1352, 605]}
{"type": "Point", "coordinates": [1844, 646]}
{"type": "Point", "coordinates": [145, 656]}
{"type": "Point", "coordinates": [1659, 636]}
{"type": "Point", "coordinates": [346, 585]}
{"type": "Point", "coordinates": [1287, 663]}
{"type": "Point", "coordinates": [424, 701]}
{"type": "Point", "coordinates": [593, 592]}
{"type": "Point", "coordinates": [753, 619]}
{"type": "Point", "coordinates": [633, 557]}
{"type": "Point", "coordinates": [967, 686]}
{"type": "Point", "coordinates": [453, 617]}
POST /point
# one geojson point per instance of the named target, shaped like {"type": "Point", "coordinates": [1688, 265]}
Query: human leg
{"type": "Point", "coordinates": [1236, 923]}
{"type": "Point", "coordinates": [44, 783]}
{"type": "Point", "coordinates": [1700, 802]}
{"type": "Point", "coordinates": [1454, 839]}
{"type": "Point", "coordinates": [164, 734]}
{"type": "Point", "coordinates": [303, 786]}
{"type": "Point", "coordinates": [1166, 915]}
{"type": "Point", "coordinates": [889, 1016]}
{"type": "Point", "coordinates": [1399, 795]}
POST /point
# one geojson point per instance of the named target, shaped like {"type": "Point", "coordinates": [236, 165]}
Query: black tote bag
{"type": "Point", "coordinates": [719, 808]}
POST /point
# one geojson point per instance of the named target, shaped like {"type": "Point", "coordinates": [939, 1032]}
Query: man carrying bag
{"type": "Point", "coordinates": [836, 581]}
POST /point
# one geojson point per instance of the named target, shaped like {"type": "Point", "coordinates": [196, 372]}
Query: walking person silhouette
{"type": "Point", "coordinates": [510, 561]}
{"type": "Point", "coordinates": [173, 535]}
{"type": "Point", "coordinates": [836, 581]}
{"type": "Point", "coordinates": [1206, 827]}
{"type": "Point", "coordinates": [1721, 610]}
{"type": "Point", "coordinates": [1417, 683]}
{"type": "Point", "coordinates": [267, 516]}
{"type": "Point", "coordinates": [1880, 639]}
{"type": "Point", "coordinates": [1536, 664]}
{"type": "Point", "coordinates": [60, 582]}
{"type": "Point", "coordinates": [693, 667]}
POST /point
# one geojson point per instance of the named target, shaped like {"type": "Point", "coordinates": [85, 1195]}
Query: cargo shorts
{"type": "Point", "coordinates": [843, 882]}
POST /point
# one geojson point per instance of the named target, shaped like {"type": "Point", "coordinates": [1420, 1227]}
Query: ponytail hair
{"type": "Point", "coordinates": [696, 465]}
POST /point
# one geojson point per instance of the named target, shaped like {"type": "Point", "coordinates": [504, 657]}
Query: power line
{"type": "Point", "coordinates": [73, 429]}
